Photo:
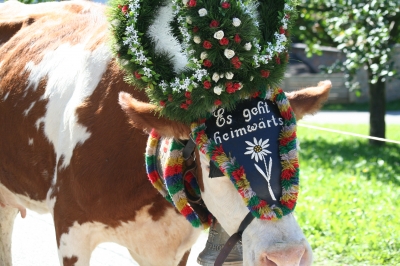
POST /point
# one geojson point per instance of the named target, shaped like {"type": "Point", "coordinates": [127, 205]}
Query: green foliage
{"type": "Point", "coordinates": [364, 30]}
{"type": "Point", "coordinates": [349, 204]}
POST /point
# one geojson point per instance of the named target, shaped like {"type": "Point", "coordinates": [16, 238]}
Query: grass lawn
{"type": "Point", "coordinates": [390, 106]}
{"type": "Point", "coordinates": [349, 203]}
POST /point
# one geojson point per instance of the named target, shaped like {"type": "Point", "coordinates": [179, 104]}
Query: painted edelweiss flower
{"type": "Point", "coordinates": [229, 75]}
{"type": "Point", "coordinates": [258, 149]}
{"type": "Point", "coordinates": [236, 22]}
{"type": "Point", "coordinates": [215, 77]}
{"type": "Point", "coordinates": [218, 90]}
{"type": "Point", "coordinates": [185, 2]}
{"type": "Point", "coordinates": [202, 12]}
{"type": "Point", "coordinates": [219, 35]}
{"type": "Point", "coordinates": [188, 20]}
{"type": "Point", "coordinates": [197, 39]}
{"type": "Point", "coordinates": [229, 53]}
{"type": "Point", "coordinates": [203, 55]}
{"type": "Point", "coordinates": [247, 46]}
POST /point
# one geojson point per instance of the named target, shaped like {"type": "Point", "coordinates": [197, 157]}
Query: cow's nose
{"type": "Point", "coordinates": [287, 255]}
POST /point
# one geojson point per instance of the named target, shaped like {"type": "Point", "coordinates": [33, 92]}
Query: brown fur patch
{"type": "Point", "coordinates": [70, 261]}
{"type": "Point", "coordinates": [309, 100]}
{"type": "Point", "coordinates": [144, 116]}
{"type": "Point", "coordinates": [106, 179]}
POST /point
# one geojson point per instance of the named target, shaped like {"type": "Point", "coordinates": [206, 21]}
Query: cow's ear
{"type": "Point", "coordinates": [145, 116]}
{"type": "Point", "coordinates": [309, 100]}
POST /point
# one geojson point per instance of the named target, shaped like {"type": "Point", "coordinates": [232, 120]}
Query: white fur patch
{"type": "Point", "coordinates": [72, 74]}
{"type": "Point", "coordinates": [30, 141]}
{"type": "Point", "coordinates": [160, 33]}
{"type": "Point", "coordinates": [161, 242]}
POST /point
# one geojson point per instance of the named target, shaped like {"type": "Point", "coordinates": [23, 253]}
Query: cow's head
{"type": "Point", "coordinates": [264, 242]}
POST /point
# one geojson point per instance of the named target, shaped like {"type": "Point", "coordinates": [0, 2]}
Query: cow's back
{"type": "Point", "coordinates": [65, 143]}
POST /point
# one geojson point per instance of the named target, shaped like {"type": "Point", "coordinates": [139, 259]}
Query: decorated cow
{"type": "Point", "coordinates": [211, 131]}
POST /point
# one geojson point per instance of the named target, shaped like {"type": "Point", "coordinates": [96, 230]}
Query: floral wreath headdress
{"type": "Point", "coordinates": [194, 56]}
{"type": "Point", "coordinates": [232, 50]}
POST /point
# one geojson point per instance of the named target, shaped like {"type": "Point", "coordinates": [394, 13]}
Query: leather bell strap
{"type": "Point", "coordinates": [189, 148]}
{"type": "Point", "coordinates": [223, 254]}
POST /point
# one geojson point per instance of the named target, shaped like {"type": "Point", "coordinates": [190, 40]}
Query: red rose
{"type": "Point", "coordinates": [192, 3]}
{"type": "Point", "coordinates": [230, 90]}
{"type": "Point", "coordinates": [256, 94]}
{"type": "Point", "coordinates": [170, 99]}
{"type": "Point", "coordinates": [137, 75]}
{"type": "Point", "coordinates": [224, 41]}
{"type": "Point", "coordinates": [187, 94]}
{"type": "Point", "coordinates": [235, 59]}
{"type": "Point", "coordinates": [236, 86]}
{"type": "Point", "coordinates": [162, 103]}
{"type": "Point", "coordinates": [125, 9]}
{"type": "Point", "coordinates": [281, 30]}
{"type": "Point", "coordinates": [214, 23]}
{"type": "Point", "coordinates": [207, 84]}
{"type": "Point", "coordinates": [264, 73]}
{"type": "Point", "coordinates": [188, 102]}
{"type": "Point", "coordinates": [225, 5]}
{"type": "Point", "coordinates": [278, 60]}
{"type": "Point", "coordinates": [207, 45]}
{"type": "Point", "coordinates": [184, 106]}
{"type": "Point", "coordinates": [236, 62]}
{"type": "Point", "coordinates": [207, 63]}
{"type": "Point", "coordinates": [195, 29]}
{"type": "Point", "coordinates": [237, 38]}
{"type": "Point", "coordinates": [218, 102]}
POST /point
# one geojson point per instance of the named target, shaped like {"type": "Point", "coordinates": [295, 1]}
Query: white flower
{"type": "Point", "coordinates": [188, 20]}
{"type": "Point", "coordinates": [258, 149]}
{"type": "Point", "coordinates": [240, 86]}
{"type": "Point", "coordinates": [221, 75]}
{"type": "Point", "coordinates": [247, 46]}
{"type": "Point", "coordinates": [197, 39]}
{"type": "Point", "coordinates": [147, 72]}
{"type": "Point", "coordinates": [203, 55]}
{"type": "Point", "coordinates": [229, 75]}
{"type": "Point", "coordinates": [115, 22]}
{"type": "Point", "coordinates": [219, 35]}
{"type": "Point", "coordinates": [185, 2]}
{"type": "Point", "coordinates": [202, 12]}
{"type": "Point", "coordinates": [229, 53]}
{"type": "Point", "coordinates": [215, 77]}
{"type": "Point", "coordinates": [218, 90]}
{"type": "Point", "coordinates": [236, 22]}
{"type": "Point", "coordinates": [251, 78]}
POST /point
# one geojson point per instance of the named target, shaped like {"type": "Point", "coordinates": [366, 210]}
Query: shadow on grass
{"type": "Point", "coordinates": [353, 157]}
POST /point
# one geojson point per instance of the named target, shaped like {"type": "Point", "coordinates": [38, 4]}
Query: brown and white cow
{"type": "Point", "coordinates": [66, 147]}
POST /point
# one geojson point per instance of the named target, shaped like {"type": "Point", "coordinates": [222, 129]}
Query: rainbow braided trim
{"type": "Point", "coordinates": [173, 187]}
{"type": "Point", "coordinates": [232, 169]}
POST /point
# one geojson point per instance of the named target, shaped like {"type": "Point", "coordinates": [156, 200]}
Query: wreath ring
{"type": "Point", "coordinates": [232, 53]}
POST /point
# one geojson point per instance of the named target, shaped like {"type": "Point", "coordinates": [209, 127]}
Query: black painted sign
{"type": "Point", "coordinates": [250, 134]}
